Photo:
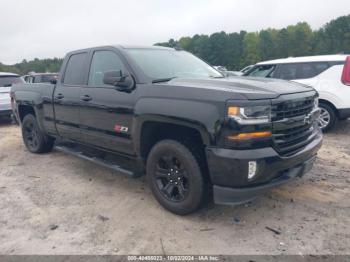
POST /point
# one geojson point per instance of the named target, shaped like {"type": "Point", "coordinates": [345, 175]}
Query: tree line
{"type": "Point", "coordinates": [36, 65]}
{"type": "Point", "coordinates": [236, 50]}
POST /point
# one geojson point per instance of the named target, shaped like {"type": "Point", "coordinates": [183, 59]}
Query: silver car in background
{"type": "Point", "coordinates": [6, 81]}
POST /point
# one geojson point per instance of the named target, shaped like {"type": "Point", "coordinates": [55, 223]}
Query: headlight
{"type": "Point", "coordinates": [250, 114]}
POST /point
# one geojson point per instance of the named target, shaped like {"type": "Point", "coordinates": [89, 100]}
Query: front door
{"type": "Point", "coordinates": [106, 114]}
{"type": "Point", "coordinates": [67, 96]}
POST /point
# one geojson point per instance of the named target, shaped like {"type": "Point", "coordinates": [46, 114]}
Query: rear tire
{"type": "Point", "coordinates": [328, 117]}
{"type": "Point", "coordinates": [175, 177]}
{"type": "Point", "coordinates": [34, 139]}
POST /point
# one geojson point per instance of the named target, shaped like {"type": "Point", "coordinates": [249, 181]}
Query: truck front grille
{"type": "Point", "coordinates": [293, 108]}
{"type": "Point", "coordinates": [290, 132]}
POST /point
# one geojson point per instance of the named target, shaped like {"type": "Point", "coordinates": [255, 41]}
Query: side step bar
{"type": "Point", "coordinates": [100, 161]}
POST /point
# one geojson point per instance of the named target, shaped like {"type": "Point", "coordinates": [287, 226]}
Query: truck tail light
{"type": "Point", "coordinates": [345, 77]}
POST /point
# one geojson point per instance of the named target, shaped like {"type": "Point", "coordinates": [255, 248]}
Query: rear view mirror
{"type": "Point", "coordinates": [122, 82]}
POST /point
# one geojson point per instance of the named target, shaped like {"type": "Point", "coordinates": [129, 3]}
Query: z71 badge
{"type": "Point", "coordinates": [121, 129]}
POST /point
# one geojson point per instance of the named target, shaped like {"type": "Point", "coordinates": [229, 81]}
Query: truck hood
{"type": "Point", "coordinates": [248, 87]}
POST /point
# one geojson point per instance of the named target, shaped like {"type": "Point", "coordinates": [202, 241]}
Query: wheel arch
{"type": "Point", "coordinates": [324, 101]}
{"type": "Point", "coordinates": [27, 108]}
{"type": "Point", "coordinates": [153, 129]}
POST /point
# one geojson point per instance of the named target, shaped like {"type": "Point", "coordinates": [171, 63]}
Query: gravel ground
{"type": "Point", "coordinates": [58, 204]}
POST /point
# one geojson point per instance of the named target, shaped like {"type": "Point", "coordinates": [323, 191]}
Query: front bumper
{"type": "Point", "coordinates": [229, 168]}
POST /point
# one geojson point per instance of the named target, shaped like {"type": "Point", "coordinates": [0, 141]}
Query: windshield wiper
{"type": "Point", "coordinates": [161, 80]}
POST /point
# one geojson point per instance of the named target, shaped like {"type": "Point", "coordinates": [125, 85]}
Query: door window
{"type": "Point", "coordinates": [102, 62]}
{"type": "Point", "coordinates": [301, 70]}
{"type": "Point", "coordinates": [37, 79]}
{"type": "Point", "coordinates": [75, 70]}
{"type": "Point", "coordinates": [288, 71]}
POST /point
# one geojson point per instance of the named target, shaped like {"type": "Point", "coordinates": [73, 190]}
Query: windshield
{"type": "Point", "coordinates": [162, 64]}
{"type": "Point", "coordinates": [10, 80]}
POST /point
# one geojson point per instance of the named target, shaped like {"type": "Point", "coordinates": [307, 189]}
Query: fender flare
{"type": "Point", "coordinates": [141, 120]}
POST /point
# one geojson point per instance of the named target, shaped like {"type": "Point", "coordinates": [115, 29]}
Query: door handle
{"type": "Point", "coordinates": [85, 98]}
{"type": "Point", "coordinates": [59, 96]}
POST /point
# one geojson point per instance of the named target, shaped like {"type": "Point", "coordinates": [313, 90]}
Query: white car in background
{"type": "Point", "coordinates": [6, 81]}
{"type": "Point", "coordinates": [328, 74]}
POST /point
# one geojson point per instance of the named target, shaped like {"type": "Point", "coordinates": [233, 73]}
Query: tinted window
{"type": "Point", "coordinates": [262, 71]}
{"type": "Point", "coordinates": [301, 70]}
{"type": "Point", "coordinates": [37, 79]}
{"type": "Point", "coordinates": [48, 78]}
{"type": "Point", "coordinates": [75, 69]}
{"type": "Point", "coordinates": [332, 63]}
{"type": "Point", "coordinates": [10, 80]}
{"type": "Point", "coordinates": [102, 62]}
{"type": "Point", "coordinates": [288, 71]}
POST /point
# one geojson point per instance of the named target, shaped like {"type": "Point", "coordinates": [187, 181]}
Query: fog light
{"type": "Point", "coordinates": [252, 168]}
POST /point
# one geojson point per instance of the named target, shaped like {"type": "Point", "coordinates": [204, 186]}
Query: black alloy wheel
{"type": "Point", "coordinates": [172, 178]}
{"type": "Point", "coordinates": [176, 177]}
{"type": "Point", "coordinates": [30, 135]}
{"type": "Point", "coordinates": [34, 139]}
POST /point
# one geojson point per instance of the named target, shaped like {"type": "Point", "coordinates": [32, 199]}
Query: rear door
{"type": "Point", "coordinates": [106, 114]}
{"type": "Point", "coordinates": [67, 96]}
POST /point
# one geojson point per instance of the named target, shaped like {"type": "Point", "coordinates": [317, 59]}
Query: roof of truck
{"type": "Point", "coordinates": [143, 47]}
{"type": "Point", "coordinates": [301, 59]}
{"type": "Point", "coordinates": [121, 47]}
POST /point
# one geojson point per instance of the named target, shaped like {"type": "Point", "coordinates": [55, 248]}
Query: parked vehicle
{"type": "Point", "coordinates": [328, 74]}
{"type": "Point", "coordinates": [166, 113]}
{"type": "Point", "coordinates": [246, 69]}
{"type": "Point", "coordinates": [223, 70]}
{"type": "Point", "coordinates": [40, 77]}
{"type": "Point", "coordinates": [6, 81]}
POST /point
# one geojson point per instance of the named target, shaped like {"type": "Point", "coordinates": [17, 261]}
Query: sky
{"type": "Point", "coordinates": [47, 28]}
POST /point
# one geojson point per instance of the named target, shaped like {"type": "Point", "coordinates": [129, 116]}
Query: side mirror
{"type": "Point", "coordinates": [122, 82]}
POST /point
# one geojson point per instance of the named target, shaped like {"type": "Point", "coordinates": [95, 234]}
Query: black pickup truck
{"type": "Point", "coordinates": [165, 113]}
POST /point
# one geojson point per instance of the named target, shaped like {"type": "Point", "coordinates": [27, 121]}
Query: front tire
{"type": "Point", "coordinates": [175, 177]}
{"type": "Point", "coordinates": [34, 139]}
{"type": "Point", "coordinates": [328, 117]}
